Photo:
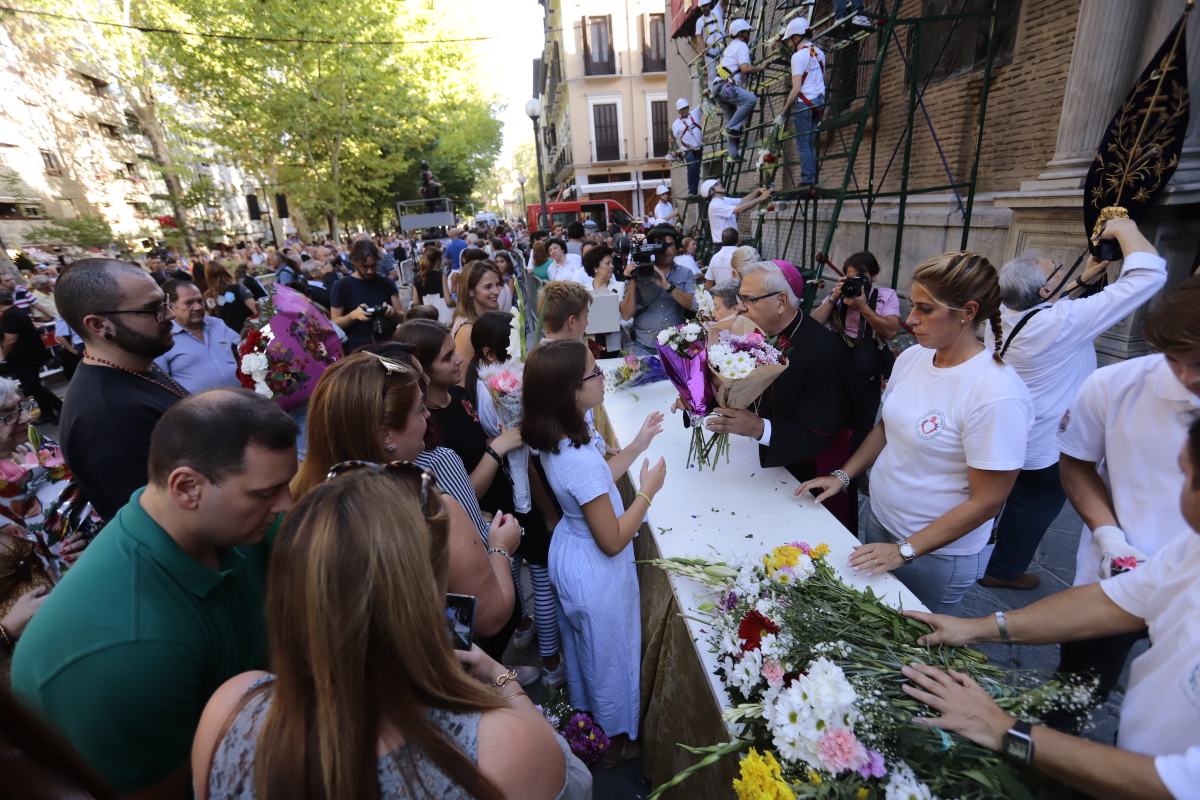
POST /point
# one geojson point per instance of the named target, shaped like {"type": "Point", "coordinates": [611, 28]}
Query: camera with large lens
{"type": "Point", "coordinates": [643, 254]}
{"type": "Point", "coordinates": [855, 286]}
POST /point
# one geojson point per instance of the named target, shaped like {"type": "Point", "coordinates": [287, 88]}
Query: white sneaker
{"type": "Point", "coordinates": [521, 639]}
{"type": "Point", "coordinates": [556, 677]}
{"type": "Point", "coordinates": [862, 21]}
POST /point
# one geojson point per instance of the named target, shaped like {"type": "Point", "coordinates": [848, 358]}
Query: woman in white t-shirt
{"type": "Point", "coordinates": [950, 442]}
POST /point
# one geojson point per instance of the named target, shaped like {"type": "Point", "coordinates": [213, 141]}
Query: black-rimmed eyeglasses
{"type": "Point", "coordinates": [748, 300]}
{"type": "Point", "coordinates": [160, 310]}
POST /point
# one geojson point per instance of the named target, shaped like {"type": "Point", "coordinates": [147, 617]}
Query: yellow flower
{"type": "Point", "coordinates": [761, 778]}
{"type": "Point", "coordinates": [862, 794]}
{"type": "Point", "coordinates": [814, 777]}
{"type": "Point", "coordinates": [820, 551]}
{"type": "Point", "coordinates": [782, 556]}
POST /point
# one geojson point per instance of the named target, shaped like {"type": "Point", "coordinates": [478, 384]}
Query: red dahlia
{"type": "Point", "coordinates": [753, 627]}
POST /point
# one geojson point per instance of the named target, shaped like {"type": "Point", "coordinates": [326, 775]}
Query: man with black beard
{"type": "Point", "coordinates": [117, 395]}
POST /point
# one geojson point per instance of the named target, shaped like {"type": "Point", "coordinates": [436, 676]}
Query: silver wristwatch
{"type": "Point", "coordinates": [907, 552]}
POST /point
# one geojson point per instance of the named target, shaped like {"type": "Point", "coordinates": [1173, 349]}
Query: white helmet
{"type": "Point", "coordinates": [707, 187]}
{"type": "Point", "coordinates": [661, 190]}
{"type": "Point", "coordinates": [681, 104]}
{"type": "Point", "coordinates": [738, 26]}
{"type": "Point", "coordinates": [797, 27]}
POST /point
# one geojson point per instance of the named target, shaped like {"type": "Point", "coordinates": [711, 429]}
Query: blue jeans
{"type": "Point", "coordinates": [1034, 502]}
{"type": "Point", "coordinates": [841, 7]}
{"type": "Point", "coordinates": [693, 171]}
{"type": "Point", "coordinates": [805, 127]}
{"type": "Point", "coordinates": [938, 581]}
{"type": "Point", "coordinates": [737, 104]}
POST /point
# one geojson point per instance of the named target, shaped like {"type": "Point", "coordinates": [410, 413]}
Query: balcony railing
{"type": "Point", "coordinates": [653, 62]}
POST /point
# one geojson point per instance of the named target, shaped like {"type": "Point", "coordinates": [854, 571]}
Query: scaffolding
{"type": "Point", "coordinates": [858, 47]}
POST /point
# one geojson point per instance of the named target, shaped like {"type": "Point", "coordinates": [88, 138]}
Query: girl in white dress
{"type": "Point", "coordinates": [591, 552]}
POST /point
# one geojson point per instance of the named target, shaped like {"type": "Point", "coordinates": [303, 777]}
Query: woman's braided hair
{"type": "Point", "coordinates": [955, 279]}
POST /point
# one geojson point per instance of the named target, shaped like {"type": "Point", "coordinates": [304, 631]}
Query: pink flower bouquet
{"type": "Point", "coordinates": [503, 382]}
{"type": "Point", "coordinates": [741, 364]}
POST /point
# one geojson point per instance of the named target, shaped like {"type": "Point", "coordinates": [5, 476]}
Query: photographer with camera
{"type": "Point", "coordinates": [855, 300]}
{"type": "Point", "coordinates": [658, 292]}
{"type": "Point", "coordinates": [366, 305]}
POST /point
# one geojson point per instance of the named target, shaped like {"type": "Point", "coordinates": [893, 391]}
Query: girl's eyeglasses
{"type": "Point", "coordinates": [596, 373]}
{"type": "Point", "coordinates": [418, 476]}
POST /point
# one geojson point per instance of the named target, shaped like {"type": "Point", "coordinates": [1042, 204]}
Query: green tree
{"type": "Point", "coordinates": [88, 231]}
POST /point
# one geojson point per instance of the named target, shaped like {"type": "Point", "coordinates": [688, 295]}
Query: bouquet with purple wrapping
{"type": "Point", "coordinates": [684, 353]}
{"type": "Point", "coordinates": [633, 372]}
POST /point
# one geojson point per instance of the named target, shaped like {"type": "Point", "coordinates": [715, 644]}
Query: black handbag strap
{"type": "Point", "coordinates": [1017, 328]}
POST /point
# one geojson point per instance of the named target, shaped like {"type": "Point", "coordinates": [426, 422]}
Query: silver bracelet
{"type": "Point", "coordinates": [501, 551]}
{"type": "Point", "coordinates": [842, 476]}
{"type": "Point", "coordinates": [1003, 626]}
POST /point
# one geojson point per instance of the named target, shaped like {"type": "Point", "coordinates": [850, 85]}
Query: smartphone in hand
{"type": "Point", "coordinates": [460, 619]}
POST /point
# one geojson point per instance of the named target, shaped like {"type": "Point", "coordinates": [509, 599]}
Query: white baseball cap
{"type": "Point", "coordinates": [707, 186]}
{"type": "Point", "coordinates": [797, 27]}
{"type": "Point", "coordinates": [738, 26]}
{"type": "Point", "coordinates": [664, 189]}
{"type": "Point", "coordinates": [681, 104]}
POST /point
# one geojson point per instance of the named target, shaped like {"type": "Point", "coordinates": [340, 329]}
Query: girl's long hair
{"type": "Point", "coordinates": [359, 644]}
{"type": "Point", "coordinates": [472, 274]}
{"type": "Point", "coordinates": [553, 373]}
{"type": "Point", "coordinates": [491, 330]}
{"type": "Point", "coordinates": [353, 397]}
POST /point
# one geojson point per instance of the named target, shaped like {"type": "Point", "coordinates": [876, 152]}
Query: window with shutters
{"type": "Point", "coordinates": [660, 129]}
{"type": "Point", "coordinates": [654, 43]}
{"type": "Point", "coordinates": [607, 131]}
{"type": "Point", "coordinates": [598, 55]}
{"type": "Point", "coordinates": [955, 45]}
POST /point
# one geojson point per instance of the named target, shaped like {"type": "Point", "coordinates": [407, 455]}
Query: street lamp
{"type": "Point", "coordinates": [533, 110]}
{"type": "Point", "coordinates": [524, 207]}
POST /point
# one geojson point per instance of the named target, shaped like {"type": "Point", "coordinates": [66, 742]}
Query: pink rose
{"type": "Point", "coordinates": [802, 547]}
{"type": "Point", "coordinates": [840, 750]}
{"type": "Point", "coordinates": [10, 472]}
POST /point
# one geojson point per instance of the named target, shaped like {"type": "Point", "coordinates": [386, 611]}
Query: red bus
{"type": "Point", "coordinates": [602, 212]}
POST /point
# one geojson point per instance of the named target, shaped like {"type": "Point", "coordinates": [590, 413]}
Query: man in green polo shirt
{"type": "Point", "coordinates": [167, 602]}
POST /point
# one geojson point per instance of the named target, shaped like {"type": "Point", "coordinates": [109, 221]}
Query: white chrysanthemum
{"type": "Point", "coordinates": [903, 785]}
{"type": "Point", "coordinates": [830, 694]}
{"type": "Point", "coordinates": [804, 568]}
{"type": "Point", "coordinates": [255, 362]}
{"type": "Point", "coordinates": [692, 331]}
{"type": "Point", "coordinates": [793, 726]}
{"type": "Point", "coordinates": [262, 389]}
{"type": "Point", "coordinates": [747, 673]}
{"type": "Point", "coordinates": [729, 644]}
{"type": "Point", "coordinates": [664, 336]}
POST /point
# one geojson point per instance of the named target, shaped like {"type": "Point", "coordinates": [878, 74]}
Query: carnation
{"type": "Point", "coordinates": [841, 751]}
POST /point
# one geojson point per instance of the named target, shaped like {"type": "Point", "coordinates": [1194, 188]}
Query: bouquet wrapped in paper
{"type": "Point", "coordinates": [289, 345]}
{"type": "Point", "coordinates": [503, 382]}
{"type": "Point", "coordinates": [685, 359]}
{"type": "Point", "coordinates": [741, 364]}
{"type": "Point", "coordinates": [633, 372]}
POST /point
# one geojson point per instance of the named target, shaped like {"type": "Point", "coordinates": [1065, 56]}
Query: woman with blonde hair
{"type": "Point", "coordinates": [741, 257]}
{"type": "Point", "coordinates": [224, 297]}
{"type": "Point", "coordinates": [367, 698]}
{"type": "Point", "coordinates": [372, 407]}
{"type": "Point", "coordinates": [950, 440]}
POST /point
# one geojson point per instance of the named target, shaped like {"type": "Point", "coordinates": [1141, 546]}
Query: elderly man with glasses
{"type": "Point", "coordinates": [802, 420]}
{"type": "Point", "coordinates": [117, 394]}
{"type": "Point", "coordinates": [1048, 341]}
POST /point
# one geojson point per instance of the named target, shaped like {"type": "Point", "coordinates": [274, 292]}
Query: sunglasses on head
{"type": "Point", "coordinates": [419, 476]}
{"type": "Point", "coordinates": [391, 365]}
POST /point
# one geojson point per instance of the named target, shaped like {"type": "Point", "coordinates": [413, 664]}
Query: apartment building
{"type": "Point", "coordinates": [606, 115]}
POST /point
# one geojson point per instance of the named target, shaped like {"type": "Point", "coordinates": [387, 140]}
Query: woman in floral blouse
{"type": "Point", "coordinates": [44, 522]}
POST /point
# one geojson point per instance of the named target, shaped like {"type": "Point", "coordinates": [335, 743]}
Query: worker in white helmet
{"type": "Point", "coordinates": [689, 134]}
{"type": "Point", "coordinates": [806, 100]}
{"type": "Point", "coordinates": [735, 100]}
{"type": "Point", "coordinates": [710, 36]}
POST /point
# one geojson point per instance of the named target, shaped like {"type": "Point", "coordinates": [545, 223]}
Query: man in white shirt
{"type": "Point", "coordinates": [688, 131]}
{"type": "Point", "coordinates": [806, 100]}
{"type": "Point", "coordinates": [720, 266]}
{"type": "Point", "coordinates": [710, 36]}
{"type": "Point", "coordinates": [1118, 441]}
{"type": "Point", "coordinates": [1158, 744]}
{"type": "Point", "coordinates": [722, 210]}
{"type": "Point", "coordinates": [1050, 346]}
{"type": "Point", "coordinates": [664, 209]}
{"type": "Point", "coordinates": [735, 100]}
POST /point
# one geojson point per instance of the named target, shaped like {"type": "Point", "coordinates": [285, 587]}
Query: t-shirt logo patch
{"type": "Point", "coordinates": [1064, 422]}
{"type": "Point", "coordinates": [931, 423]}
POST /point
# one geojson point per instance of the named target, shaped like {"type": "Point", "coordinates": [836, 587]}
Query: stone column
{"type": "Point", "coordinates": [1106, 57]}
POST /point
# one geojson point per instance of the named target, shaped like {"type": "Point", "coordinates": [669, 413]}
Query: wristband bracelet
{"type": "Point", "coordinates": [1002, 624]}
{"type": "Point", "coordinates": [644, 496]}
{"type": "Point", "coordinates": [842, 476]}
{"type": "Point", "coordinates": [501, 551]}
{"type": "Point", "coordinates": [492, 452]}
{"type": "Point", "coordinates": [7, 642]}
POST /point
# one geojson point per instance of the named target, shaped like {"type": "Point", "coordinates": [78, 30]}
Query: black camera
{"type": "Point", "coordinates": [377, 316]}
{"type": "Point", "coordinates": [644, 253]}
{"type": "Point", "coordinates": [855, 285]}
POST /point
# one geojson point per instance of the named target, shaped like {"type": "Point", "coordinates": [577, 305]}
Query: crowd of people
{"type": "Point", "coordinates": [247, 564]}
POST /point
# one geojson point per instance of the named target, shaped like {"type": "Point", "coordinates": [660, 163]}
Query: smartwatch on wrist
{"type": "Point", "coordinates": [1017, 743]}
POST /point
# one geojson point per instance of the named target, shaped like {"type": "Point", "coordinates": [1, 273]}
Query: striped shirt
{"type": "Point", "coordinates": [453, 479]}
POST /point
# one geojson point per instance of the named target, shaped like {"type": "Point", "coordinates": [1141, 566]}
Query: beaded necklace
{"type": "Point", "coordinates": [171, 386]}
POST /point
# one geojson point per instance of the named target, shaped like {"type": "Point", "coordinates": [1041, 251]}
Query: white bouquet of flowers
{"type": "Point", "coordinates": [503, 382]}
